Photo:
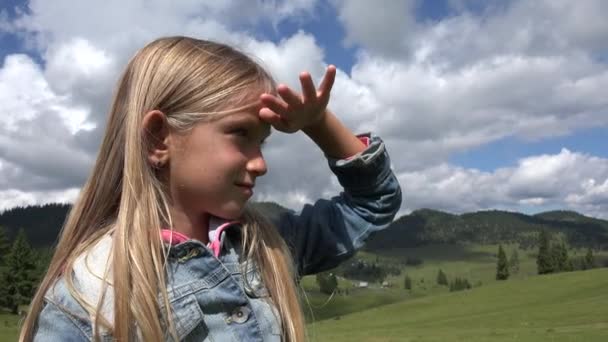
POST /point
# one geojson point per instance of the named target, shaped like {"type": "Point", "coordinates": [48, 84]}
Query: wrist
{"type": "Point", "coordinates": [334, 139]}
{"type": "Point", "coordinates": [317, 126]}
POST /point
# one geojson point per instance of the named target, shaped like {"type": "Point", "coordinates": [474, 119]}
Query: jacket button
{"type": "Point", "coordinates": [240, 315]}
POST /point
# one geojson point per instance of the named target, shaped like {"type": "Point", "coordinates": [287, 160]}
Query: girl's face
{"type": "Point", "coordinates": [214, 167]}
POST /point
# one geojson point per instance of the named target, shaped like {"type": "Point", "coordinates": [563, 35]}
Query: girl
{"type": "Point", "coordinates": [161, 245]}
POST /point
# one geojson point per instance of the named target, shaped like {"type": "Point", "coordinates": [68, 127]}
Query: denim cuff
{"type": "Point", "coordinates": [364, 170]}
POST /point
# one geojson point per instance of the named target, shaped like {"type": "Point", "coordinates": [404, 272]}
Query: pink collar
{"type": "Point", "coordinates": [173, 237]}
{"type": "Point", "coordinates": [216, 234]}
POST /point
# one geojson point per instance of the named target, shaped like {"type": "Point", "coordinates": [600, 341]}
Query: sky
{"type": "Point", "coordinates": [481, 104]}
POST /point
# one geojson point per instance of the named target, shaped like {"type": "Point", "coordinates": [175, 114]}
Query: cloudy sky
{"type": "Point", "coordinates": [482, 104]}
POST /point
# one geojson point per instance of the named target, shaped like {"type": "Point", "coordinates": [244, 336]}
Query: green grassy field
{"type": "Point", "coordinates": [8, 327]}
{"type": "Point", "coordinates": [561, 307]}
{"type": "Point", "coordinates": [477, 263]}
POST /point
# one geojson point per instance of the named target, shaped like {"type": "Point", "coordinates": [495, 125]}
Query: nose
{"type": "Point", "coordinates": [257, 164]}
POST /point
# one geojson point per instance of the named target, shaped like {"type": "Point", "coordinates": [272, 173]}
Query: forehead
{"type": "Point", "coordinates": [249, 117]}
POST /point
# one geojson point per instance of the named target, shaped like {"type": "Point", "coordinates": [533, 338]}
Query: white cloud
{"type": "Point", "coordinates": [14, 198]}
{"type": "Point", "coordinates": [384, 26]}
{"type": "Point", "coordinates": [525, 69]}
{"type": "Point", "coordinates": [568, 179]}
{"type": "Point", "coordinates": [295, 199]}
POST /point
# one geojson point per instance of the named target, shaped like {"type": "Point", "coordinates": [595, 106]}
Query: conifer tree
{"type": "Point", "coordinates": [514, 261]}
{"type": "Point", "coordinates": [407, 283]}
{"type": "Point", "coordinates": [544, 261]}
{"type": "Point", "coordinates": [4, 249]}
{"type": "Point", "coordinates": [4, 244]}
{"type": "Point", "coordinates": [589, 261]}
{"type": "Point", "coordinates": [502, 266]}
{"type": "Point", "coordinates": [442, 279]}
{"type": "Point", "coordinates": [459, 284]}
{"type": "Point", "coordinates": [560, 257]}
{"type": "Point", "coordinates": [19, 275]}
{"type": "Point", "coordinates": [328, 282]}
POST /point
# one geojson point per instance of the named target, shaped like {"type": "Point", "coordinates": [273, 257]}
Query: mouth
{"type": "Point", "coordinates": [246, 187]}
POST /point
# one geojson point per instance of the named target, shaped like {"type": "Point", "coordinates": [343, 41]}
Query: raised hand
{"type": "Point", "coordinates": [292, 111]}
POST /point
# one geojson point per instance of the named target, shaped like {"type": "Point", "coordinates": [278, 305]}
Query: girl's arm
{"type": "Point", "coordinates": [326, 233]}
{"type": "Point", "coordinates": [333, 138]}
{"type": "Point", "coordinates": [329, 231]}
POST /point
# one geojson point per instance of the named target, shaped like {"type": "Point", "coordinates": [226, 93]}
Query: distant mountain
{"type": "Point", "coordinates": [428, 226]}
{"type": "Point", "coordinates": [42, 224]}
{"type": "Point", "coordinates": [270, 210]}
{"type": "Point", "coordinates": [424, 226]}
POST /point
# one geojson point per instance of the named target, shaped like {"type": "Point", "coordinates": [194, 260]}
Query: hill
{"type": "Point", "coordinates": [422, 227]}
{"type": "Point", "coordinates": [426, 226]}
{"type": "Point", "coordinates": [560, 307]}
{"type": "Point", "coordinates": [42, 223]}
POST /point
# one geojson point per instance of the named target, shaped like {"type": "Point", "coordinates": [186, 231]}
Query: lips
{"type": "Point", "coordinates": [247, 188]}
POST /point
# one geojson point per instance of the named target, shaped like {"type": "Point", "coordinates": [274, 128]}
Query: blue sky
{"type": "Point", "coordinates": [502, 153]}
{"type": "Point", "coordinates": [508, 151]}
{"type": "Point", "coordinates": [476, 100]}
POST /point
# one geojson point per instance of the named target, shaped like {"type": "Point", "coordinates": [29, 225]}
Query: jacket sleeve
{"type": "Point", "coordinates": [54, 325]}
{"type": "Point", "coordinates": [328, 232]}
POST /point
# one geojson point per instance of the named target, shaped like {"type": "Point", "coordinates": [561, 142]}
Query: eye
{"type": "Point", "coordinates": [241, 132]}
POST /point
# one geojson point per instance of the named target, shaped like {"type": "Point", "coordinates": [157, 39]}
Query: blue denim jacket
{"type": "Point", "coordinates": [208, 294]}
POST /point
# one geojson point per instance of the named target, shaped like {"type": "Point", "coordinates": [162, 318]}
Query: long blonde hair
{"type": "Point", "coordinates": [189, 80]}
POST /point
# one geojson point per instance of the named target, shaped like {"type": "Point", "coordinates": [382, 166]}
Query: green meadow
{"type": "Point", "coordinates": [9, 327]}
{"type": "Point", "coordinates": [560, 307]}
{"type": "Point", "coordinates": [569, 306]}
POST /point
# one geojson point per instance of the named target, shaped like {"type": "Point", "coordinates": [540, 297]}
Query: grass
{"type": "Point", "coordinates": [561, 307]}
{"type": "Point", "coordinates": [477, 263]}
{"type": "Point", "coordinates": [320, 307]}
{"type": "Point", "coordinates": [9, 327]}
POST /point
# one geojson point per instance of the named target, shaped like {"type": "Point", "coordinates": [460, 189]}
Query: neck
{"type": "Point", "coordinates": [195, 226]}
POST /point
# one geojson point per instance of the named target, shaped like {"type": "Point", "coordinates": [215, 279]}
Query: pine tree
{"type": "Point", "coordinates": [544, 261]}
{"type": "Point", "coordinates": [19, 276]}
{"type": "Point", "coordinates": [559, 254]}
{"type": "Point", "coordinates": [502, 266]}
{"type": "Point", "coordinates": [407, 283]}
{"type": "Point", "coordinates": [4, 245]}
{"type": "Point", "coordinates": [514, 261]}
{"type": "Point", "coordinates": [442, 279]}
{"type": "Point", "coordinates": [459, 284]}
{"type": "Point", "coordinates": [328, 282]}
{"type": "Point", "coordinates": [589, 261]}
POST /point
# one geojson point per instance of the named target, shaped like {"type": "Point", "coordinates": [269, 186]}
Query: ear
{"type": "Point", "coordinates": [158, 137]}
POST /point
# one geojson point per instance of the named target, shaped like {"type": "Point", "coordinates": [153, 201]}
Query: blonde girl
{"type": "Point", "coordinates": [161, 244]}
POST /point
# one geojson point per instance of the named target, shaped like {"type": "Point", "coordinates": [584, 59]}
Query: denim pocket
{"type": "Point", "coordinates": [187, 315]}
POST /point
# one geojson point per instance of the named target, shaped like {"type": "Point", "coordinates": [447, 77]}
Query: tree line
{"type": "Point", "coordinates": [21, 268]}
{"type": "Point", "coordinates": [552, 257]}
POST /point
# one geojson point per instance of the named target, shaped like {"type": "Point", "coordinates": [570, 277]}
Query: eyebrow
{"type": "Point", "coordinates": [247, 119]}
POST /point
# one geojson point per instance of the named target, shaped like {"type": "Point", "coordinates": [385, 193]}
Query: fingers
{"type": "Point", "coordinates": [269, 116]}
{"type": "Point", "coordinates": [289, 96]}
{"type": "Point", "coordinates": [274, 103]}
{"type": "Point", "coordinates": [308, 88]}
{"type": "Point", "coordinates": [328, 81]}
{"type": "Point", "coordinates": [276, 120]}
